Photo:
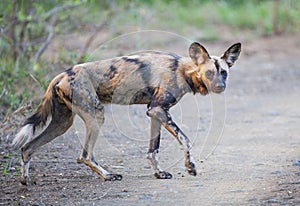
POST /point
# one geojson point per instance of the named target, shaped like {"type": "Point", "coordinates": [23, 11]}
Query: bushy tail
{"type": "Point", "coordinates": [38, 119]}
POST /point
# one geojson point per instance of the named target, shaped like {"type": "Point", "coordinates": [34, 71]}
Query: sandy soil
{"type": "Point", "coordinates": [246, 144]}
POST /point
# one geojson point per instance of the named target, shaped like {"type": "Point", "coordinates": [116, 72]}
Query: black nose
{"type": "Point", "coordinates": [220, 85]}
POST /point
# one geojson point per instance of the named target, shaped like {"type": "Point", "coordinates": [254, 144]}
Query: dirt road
{"type": "Point", "coordinates": [246, 144]}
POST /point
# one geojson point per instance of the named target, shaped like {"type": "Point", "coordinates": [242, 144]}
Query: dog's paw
{"type": "Point", "coordinates": [25, 180]}
{"type": "Point", "coordinates": [163, 175]}
{"type": "Point", "coordinates": [192, 171]}
{"type": "Point", "coordinates": [113, 177]}
{"type": "Point", "coordinates": [80, 160]}
{"type": "Point", "coordinates": [190, 168]}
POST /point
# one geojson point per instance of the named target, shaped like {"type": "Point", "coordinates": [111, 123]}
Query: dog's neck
{"type": "Point", "coordinates": [189, 72]}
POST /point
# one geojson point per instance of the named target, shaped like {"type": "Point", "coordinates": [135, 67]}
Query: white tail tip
{"type": "Point", "coordinates": [23, 136]}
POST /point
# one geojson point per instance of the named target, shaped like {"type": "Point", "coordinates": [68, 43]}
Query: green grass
{"type": "Point", "coordinates": [6, 162]}
{"type": "Point", "coordinates": [255, 15]}
{"type": "Point", "coordinates": [11, 74]}
{"type": "Point", "coordinates": [19, 82]}
{"type": "Point", "coordinates": [200, 16]}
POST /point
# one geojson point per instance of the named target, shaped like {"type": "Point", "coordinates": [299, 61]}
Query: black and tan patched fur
{"type": "Point", "coordinates": [156, 79]}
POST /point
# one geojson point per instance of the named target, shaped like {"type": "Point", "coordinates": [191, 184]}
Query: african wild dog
{"type": "Point", "coordinates": [154, 78]}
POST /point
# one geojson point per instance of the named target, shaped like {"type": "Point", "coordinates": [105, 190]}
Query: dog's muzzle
{"type": "Point", "coordinates": [219, 87]}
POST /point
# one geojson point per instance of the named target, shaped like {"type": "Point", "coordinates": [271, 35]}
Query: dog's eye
{"type": "Point", "coordinates": [209, 74]}
{"type": "Point", "coordinates": [224, 74]}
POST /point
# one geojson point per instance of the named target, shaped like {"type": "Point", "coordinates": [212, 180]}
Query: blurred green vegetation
{"type": "Point", "coordinates": [262, 17]}
{"type": "Point", "coordinates": [28, 27]}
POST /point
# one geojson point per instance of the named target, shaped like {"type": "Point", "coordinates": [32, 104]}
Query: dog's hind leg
{"type": "Point", "coordinates": [88, 106]}
{"type": "Point", "coordinates": [62, 119]}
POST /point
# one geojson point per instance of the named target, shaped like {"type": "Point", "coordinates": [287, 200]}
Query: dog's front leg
{"type": "Point", "coordinates": [153, 149]}
{"type": "Point", "coordinates": [164, 117]}
{"type": "Point", "coordinates": [185, 142]}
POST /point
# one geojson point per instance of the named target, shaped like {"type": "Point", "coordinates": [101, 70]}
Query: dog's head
{"type": "Point", "coordinates": [212, 70]}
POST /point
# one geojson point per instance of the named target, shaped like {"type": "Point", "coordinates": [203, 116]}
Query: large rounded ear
{"type": "Point", "coordinates": [232, 54]}
{"type": "Point", "coordinates": [198, 53]}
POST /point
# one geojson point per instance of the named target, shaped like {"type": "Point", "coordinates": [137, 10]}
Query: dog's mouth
{"type": "Point", "coordinates": [218, 90]}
